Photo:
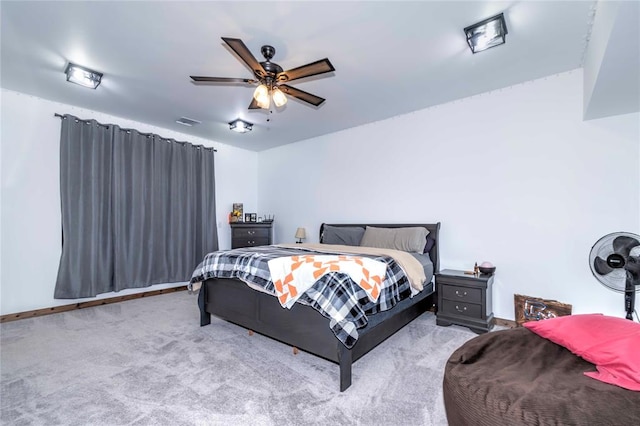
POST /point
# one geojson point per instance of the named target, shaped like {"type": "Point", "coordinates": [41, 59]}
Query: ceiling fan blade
{"type": "Point", "coordinates": [314, 68]}
{"type": "Point", "coordinates": [623, 245]}
{"type": "Point", "coordinates": [301, 94]}
{"type": "Point", "coordinates": [245, 54]}
{"type": "Point", "coordinates": [198, 79]}
{"type": "Point", "coordinates": [253, 104]}
{"type": "Point", "coordinates": [601, 266]}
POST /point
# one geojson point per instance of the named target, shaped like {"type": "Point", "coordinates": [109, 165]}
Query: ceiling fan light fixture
{"type": "Point", "coordinates": [261, 95]}
{"type": "Point", "coordinates": [260, 92]}
{"type": "Point", "coordinates": [486, 34]}
{"type": "Point", "coordinates": [83, 76]}
{"type": "Point", "coordinates": [264, 102]}
{"type": "Point", "coordinates": [278, 97]}
{"type": "Point", "coordinates": [240, 126]}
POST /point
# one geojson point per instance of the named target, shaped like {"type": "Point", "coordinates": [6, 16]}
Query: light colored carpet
{"type": "Point", "coordinates": [148, 362]}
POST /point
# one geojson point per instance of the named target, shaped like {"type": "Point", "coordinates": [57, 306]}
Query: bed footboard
{"type": "Point", "coordinates": [302, 326]}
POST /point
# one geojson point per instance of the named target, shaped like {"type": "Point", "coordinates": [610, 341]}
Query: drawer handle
{"type": "Point", "coordinates": [464, 308]}
{"type": "Point", "coordinates": [251, 242]}
{"type": "Point", "coordinates": [463, 294]}
{"type": "Point", "coordinates": [251, 232]}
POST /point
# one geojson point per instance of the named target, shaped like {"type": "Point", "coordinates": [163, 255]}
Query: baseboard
{"type": "Point", "coordinates": [505, 323]}
{"type": "Point", "coordinates": [64, 308]}
{"type": "Point", "coordinates": [81, 305]}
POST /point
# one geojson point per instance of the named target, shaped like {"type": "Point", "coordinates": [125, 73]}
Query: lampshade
{"type": "Point", "coordinates": [486, 34]}
{"type": "Point", "coordinates": [260, 92]}
{"type": "Point", "coordinates": [261, 95]}
{"type": "Point", "coordinates": [240, 126]}
{"type": "Point", "coordinates": [278, 97]}
{"type": "Point", "coordinates": [83, 76]}
{"type": "Point", "coordinates": [301, 234]}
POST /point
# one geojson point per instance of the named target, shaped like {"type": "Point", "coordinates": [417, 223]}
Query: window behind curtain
{"type": "Point", "coordinates": [137, 209]}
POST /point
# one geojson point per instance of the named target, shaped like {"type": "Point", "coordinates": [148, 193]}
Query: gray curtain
{"type": "Point", "coordinates": [137, 209]}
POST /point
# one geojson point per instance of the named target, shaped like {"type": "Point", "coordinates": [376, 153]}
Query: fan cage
{"type": "Point", "coordinates": [615, 280]}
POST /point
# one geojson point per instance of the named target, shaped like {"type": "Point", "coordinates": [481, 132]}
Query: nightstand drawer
{"type": "Point", "coordinates": [251, 233]}
{"type": "Point", "coordinates": [462, 294]}
{"type": "Point", "coordinates": [451, 307]}
{"type": "Point", "coordinates": [249, 242]}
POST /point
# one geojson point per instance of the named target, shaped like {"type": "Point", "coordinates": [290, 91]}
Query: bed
{"type": "Point", "coordinates": [303, 326]}
{"type": "Point", "coordinates": [516, 377]}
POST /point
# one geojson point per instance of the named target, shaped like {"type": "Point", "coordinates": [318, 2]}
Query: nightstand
{"type": "Point", "coordinates": [251, 234]}
{"type": "Point", "coordinates": [465, 300]}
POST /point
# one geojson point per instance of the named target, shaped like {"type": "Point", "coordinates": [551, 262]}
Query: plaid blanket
{"type": "Point", "coordinates": [334, 295]}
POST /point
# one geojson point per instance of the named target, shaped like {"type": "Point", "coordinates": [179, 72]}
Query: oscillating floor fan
{"type": "Point", "coordinates": [615, 262]}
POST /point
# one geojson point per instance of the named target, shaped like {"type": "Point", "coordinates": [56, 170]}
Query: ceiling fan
{"type": "Point", "coordinates": [270, 76]}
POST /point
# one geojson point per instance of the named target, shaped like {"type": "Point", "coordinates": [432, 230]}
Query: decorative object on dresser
{"type": "Point", "coordinates": [310, 325]}
{"type": "Point", "coordinates": [465, 300]}
{"type": "Point", "coordinates": [236, 213]}
{"type": "Point", "coordinates": [251, 234]}
{"type": "Point", "coordinates": [301, 234]}
{"type": "Point", "coordinates": [487, 268]}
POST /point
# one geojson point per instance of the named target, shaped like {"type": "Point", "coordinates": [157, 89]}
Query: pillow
{"type": "Point", "coordinates": [343, 235]}
{"type": "Point", "coordinates": [612, 344]}
{"type": "Point", "coordinates": [406, 239]}
{"type": "Point", "coordinates": [430, 243]}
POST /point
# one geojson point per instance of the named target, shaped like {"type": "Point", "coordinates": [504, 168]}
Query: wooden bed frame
{"type": "Point", "coordinates": [302, 326]}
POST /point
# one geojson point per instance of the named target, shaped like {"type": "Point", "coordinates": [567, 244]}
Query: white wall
{"type": "Point", "coordinates": [30, 230]}
{"type": "Point", "coordinates": [515, 176]}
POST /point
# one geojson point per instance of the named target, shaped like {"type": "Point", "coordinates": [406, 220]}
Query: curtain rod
{"type": "Point", "coordinates": [61, 116]}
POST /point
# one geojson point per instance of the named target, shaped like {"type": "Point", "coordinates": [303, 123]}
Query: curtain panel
{"type": "Point", "coordinates": [137, 209]}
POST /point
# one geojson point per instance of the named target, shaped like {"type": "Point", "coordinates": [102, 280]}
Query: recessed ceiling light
{"type": "Point", "coordinates": [83, 76]}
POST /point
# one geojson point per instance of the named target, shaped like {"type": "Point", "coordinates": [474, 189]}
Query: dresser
{"type": "Point", "coordinates": [251, 234]}
{"type": "Point", "coordinates": [465, 299]}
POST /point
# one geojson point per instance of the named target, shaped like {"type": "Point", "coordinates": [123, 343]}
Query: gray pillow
{"type": "Point", "coordinates": [411, 240]}
{"type": "Point", "coordinates": [343, 235]}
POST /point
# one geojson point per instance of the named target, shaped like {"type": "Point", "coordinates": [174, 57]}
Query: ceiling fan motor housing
{"type": "Point", "coordinates": [271, 68]}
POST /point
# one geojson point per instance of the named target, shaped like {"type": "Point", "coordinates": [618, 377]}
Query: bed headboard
{"type": "Point", "coordinates": [434, 231]}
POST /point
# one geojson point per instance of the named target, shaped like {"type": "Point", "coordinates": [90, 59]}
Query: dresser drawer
{"type": "Point", "coordinates": [451, 307]}
{"type": "Point", "coordinates": [249, 242]}
{"type": "Point", "coordinates": [251, 233]}
{"type": "Point", "coordinates": [462, 294]}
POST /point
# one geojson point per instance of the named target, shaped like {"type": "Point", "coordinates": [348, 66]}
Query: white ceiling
{"type": "Point", "coordinates": [390, 58]}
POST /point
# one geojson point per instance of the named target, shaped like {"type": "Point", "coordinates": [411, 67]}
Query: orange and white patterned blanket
{"type": "Point", "coordinates": [294, 275]}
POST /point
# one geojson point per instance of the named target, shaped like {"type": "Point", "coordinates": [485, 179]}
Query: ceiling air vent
{"type": "Point", "coordinates": [187, 121]}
